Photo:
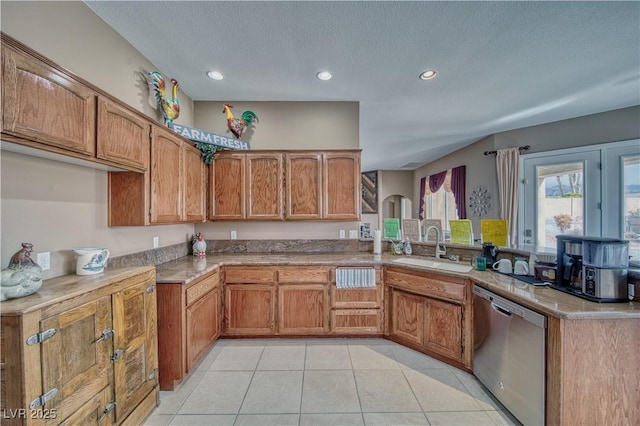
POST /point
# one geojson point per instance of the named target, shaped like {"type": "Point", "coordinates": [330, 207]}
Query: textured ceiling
{"type": "Point", "coordinates": [501, 65]}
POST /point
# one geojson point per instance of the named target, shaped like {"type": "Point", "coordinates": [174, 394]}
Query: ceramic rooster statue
{"type": "Point", "coordinates": [238, 125]}
{"type": "Point", "coordinates": [199, 245]}
{"type": "Point", "coordinates": [169, 107]}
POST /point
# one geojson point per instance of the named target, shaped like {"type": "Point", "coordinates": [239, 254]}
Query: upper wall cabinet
{"type": "Point", "coordinates": [122, 136]}
{"type": "Point", "coordinates": [48, 108]}
{"type": "Point", "coordinates": [285, 185]}
{"type": "Point", "coordinates": [42, 105]}
{"type": "Point", "coordinates": [172, 191]}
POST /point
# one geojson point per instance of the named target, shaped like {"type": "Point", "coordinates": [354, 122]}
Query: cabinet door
{"type": "Point", "coordinates": [76, 360]}
{"type": "Point", "coordinates": [166, 177]}
{"type": "Point", "coordinates": [249, 309]}
{"type": "Point", "coordinates": [195, 185]}
{"type": "Point", "coordinates": [136, 346]}
{"type": "Point", "coordinates": [41, 104]}
{"type": "Point", "coordinates": [202, 326]}
{"type": "Point", "coordinates": [443, 328]}
{"type": "Point", "coordinates": [92, 413]}
{"type": "Point", "coordinates": [122, 136]}
{"type": "Point", "coordinates": [227, 183]}
{"type": "Point", "coordinates": [264, 187]}
{"type": "Point", "coordinates": [341, 189]}
{"type": "Point", "coordinates": [303, 186]}
{"type": "Point", "coordinates": [303, 308]}
{"type": "Point", "coordinates": [406, 316]}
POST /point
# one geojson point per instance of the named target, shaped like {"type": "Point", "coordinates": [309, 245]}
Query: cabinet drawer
{"type": "Point", "coordinates": [249, 275]}
{"type": "Point", "coordinates": [356, 321]}
{"type": "Point", "coordinates": [296, 274]}
{"type": "Point", "coordinates": [429, 284]}
{"type": "Point", "coordinates": [356, 297]}
{"type": "Point", "coordinates": [201, 288]}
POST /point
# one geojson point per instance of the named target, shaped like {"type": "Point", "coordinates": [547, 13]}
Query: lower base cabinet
{"type": "Point", "coordinates": [189, 319]}
{"type": "Point", "coordinates": [303, 309]}
{"type": "Point", "coordinates": [427, 312]}
{"type": "Point", "coordinates": [81, 352]}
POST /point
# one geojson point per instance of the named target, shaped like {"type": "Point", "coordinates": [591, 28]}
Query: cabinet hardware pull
{"type": "Point", "coordinates": [41, 337]}
{"type": "Point", "coordinates": [151, 288]}
{"type": "Point", "coordinates": [117, 355]}
{"type": "Point", "coordinates": [153, 374]}
{"type": "Point", "coordinates": [42, 399]}
{"type": "Point", "coordinates": [107, 333]}
{"type": "Point", "coordinates": [109, 407]}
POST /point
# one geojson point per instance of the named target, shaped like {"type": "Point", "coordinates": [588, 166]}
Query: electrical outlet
{"type": "Point", "coordinates": [234, 235]}
{"type": "Point", "coordinates": [156, 242]}
{"type": "Point", "coordinates": [353, 234]}
{"type": "Point", "coordinates": [44, 260]}
{"type": "Point", "coordinates": [342, 234]}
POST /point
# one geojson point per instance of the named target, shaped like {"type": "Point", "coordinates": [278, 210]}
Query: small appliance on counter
{"type": "Point", "coordinates": [593, 268]}
{"type": "Point", "coordinates": [490, 252]}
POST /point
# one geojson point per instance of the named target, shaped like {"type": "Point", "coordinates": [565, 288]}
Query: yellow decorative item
{"type": "Point", "coordinates": [169, 108]}
{"type": "Point", "coordinates": [461, 231]}
{"type": "Point", "coordinates": [495, 231]}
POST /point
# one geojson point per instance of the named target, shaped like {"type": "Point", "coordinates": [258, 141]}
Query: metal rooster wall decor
{"type": "Point", "coordinates": [169, 108]}
{"type": "Point", "coordinates": [239, 125]}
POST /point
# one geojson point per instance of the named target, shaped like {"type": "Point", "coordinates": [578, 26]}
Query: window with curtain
{"type": "Point", "coordinates": [442, 196]}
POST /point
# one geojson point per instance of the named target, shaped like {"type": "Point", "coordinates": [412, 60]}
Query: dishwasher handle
{"type": "Point", "coordinates": [500, 310]}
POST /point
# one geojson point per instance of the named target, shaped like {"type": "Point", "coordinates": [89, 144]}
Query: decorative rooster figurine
{"type": "Point", "coordinates": [238, 125]}
{"type": "Point", "coordinates": [170, 108]}
{"type": "Point", "coordinates": [199, 245]}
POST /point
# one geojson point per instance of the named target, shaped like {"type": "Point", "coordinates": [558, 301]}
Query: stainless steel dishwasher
{"type": "Point", "coordinates": [509, 357]}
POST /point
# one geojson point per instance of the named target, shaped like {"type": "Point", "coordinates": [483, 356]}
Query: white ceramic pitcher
{"type": "Point", "coordinates": [91, 260]}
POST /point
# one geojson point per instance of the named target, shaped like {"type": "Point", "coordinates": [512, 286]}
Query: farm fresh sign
{"type": "Point", "coordinates": [203, 136]}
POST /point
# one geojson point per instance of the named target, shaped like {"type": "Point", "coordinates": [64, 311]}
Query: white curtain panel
{"type": "Point", "coordinates": [507, 162]}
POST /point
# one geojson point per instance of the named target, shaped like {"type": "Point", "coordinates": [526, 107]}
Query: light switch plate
{"type": "Point", "coordinates": [234, 235]}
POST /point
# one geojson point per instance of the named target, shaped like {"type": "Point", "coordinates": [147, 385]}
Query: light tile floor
{"type": "Point", "coordinates": [326, 382]}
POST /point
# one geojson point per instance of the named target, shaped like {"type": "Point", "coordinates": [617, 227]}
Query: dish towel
{"type": "Point", "coordinates": [355, 277]}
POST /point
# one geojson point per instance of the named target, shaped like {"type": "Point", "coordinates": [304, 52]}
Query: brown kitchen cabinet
{"type": "Point", "coordinates": [171, 191]}
{"type": "Point", "coordinates": [341, 186]}
{"type": "Point", "coordinates": [303, 300]}
{"type": "Point", "coordinates": [189, 321]}
{"type": "Point", "coordinates": [303, 186]}
{"type": "Point", "coordinates": [249, 301]}
{"type": "Point", "coordinates": [83, 352]}
{"type": "Point", "coordinates": [122, 137]}
{"type": "Point", "coordinates": [247, 186]}
{"type": "Point", "coordinates": [429, 312]}
{"type": "Point", "coordinates": [357, 310]}
{"type": "Point", "coordinates": [322, 185]}
{"type": "Point", "coordinates": [44, 107]}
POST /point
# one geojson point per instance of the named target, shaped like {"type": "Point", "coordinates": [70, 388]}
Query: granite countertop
{"type": "Point", "coordinates": [539, 298]}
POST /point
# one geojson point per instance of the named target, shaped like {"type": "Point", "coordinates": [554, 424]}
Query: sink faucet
{"type": "Point", "coordinates": [439, 251]}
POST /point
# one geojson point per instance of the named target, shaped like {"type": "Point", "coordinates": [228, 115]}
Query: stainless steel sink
{"type": "Point", "coordinates": [435, 264]}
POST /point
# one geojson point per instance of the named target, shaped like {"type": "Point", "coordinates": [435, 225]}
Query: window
{"type": "Point", "coordinates": [592, 190]}
{"type": "Point", "coordinates": [441, 205]}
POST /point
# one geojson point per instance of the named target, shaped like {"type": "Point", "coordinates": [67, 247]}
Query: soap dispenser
{"type": "Point", "coordinates": [407, 249]}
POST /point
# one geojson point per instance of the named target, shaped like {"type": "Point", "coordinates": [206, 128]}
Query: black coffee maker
{"type": "Point", "coordinates": [490, 252]}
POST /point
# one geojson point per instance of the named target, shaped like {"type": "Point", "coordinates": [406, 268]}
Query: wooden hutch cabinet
{"type": "Point", "coordinates": [83, 351]}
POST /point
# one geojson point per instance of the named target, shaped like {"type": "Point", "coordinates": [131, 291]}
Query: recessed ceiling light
{"type": "Point", "coordinates": [324, 75]}
{"type": "Point", "coordinates": [215, 75]}
{"type": "Point", "coordinates": [427, 75]}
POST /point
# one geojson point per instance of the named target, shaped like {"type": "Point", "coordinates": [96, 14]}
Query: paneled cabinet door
{"type": "Point", "coordinates": [76, 360]}
{"type": "Point", "coordinates": [135, 346]}
{"type": "Point", "coordinates": [44, 105]}
{"type": "Point", "coordinates": [122, 136]}
{"type": "Point", "coordinates": [341, 189]}
{"type": "Point", "coordinates": [303, 186]}
{"type": "Point", "coordinates": [249, 309]}
{"type": "Point", "coordinates": [264, 186]}
{"type": "Point", "coordinates": [92, 413]}
{"type": "Point", "coordinates": [227, 183]}
{"type": "Point", "coordinates": [195, 185]}
{"type": "Point", "coordinates": [407, 316]}
{"type": "Point", "coordinates": [166, 177]}
{"type": "Point", "coordinates": [203, 326]}
{"type": "Point", "coordinates": [443, 328]}
{"type": "Point", "coordinates": [303, 308]}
